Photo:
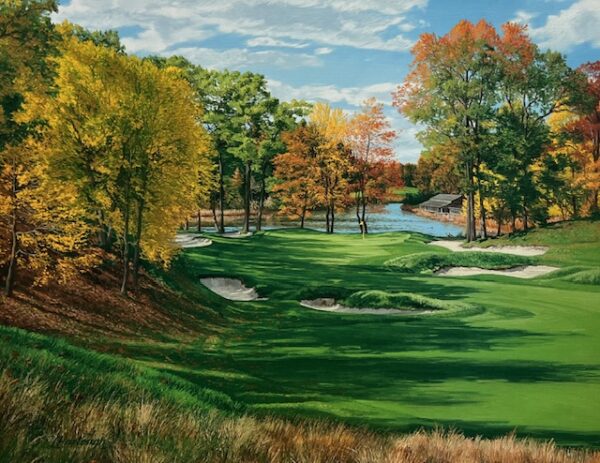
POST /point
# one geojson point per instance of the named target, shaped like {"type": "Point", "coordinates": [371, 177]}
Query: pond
{"type": "Point", "coordinates": [386, 218]}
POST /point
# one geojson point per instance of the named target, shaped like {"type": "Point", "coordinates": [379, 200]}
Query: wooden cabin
{"type": "Point", "coordinates": [443, 204]}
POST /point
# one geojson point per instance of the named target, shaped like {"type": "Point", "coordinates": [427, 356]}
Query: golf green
{"type": "Point", "coordinates": [527, 359]}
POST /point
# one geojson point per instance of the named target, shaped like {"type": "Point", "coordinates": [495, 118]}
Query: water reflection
{"type": "Point", "coordinates": [386, 218]}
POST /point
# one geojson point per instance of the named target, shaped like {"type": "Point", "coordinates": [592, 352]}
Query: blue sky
{"type": "Point", "coordinates": [339, 51]}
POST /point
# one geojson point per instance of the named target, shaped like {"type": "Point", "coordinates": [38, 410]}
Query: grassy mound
{"type": "Point", "coordinates": [405, 301]}
{"type": "Point", "coordinates": [433, 261]}
{"type": "Point", "coordinates": [585, 277]}
{"type": "Point", "coordinates": [81, 370]}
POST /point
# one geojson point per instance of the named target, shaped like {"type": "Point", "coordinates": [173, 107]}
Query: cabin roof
{"type": "Point", "coordinates": [441, 200]}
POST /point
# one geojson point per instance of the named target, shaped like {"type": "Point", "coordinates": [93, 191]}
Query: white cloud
{"type": "Point", "coordinates": [352, 96]}
{"type": "Point", "coordinates": [572, 26]}
{"type": "Point", "coordinates": [523, 17]}
{"type": "Point", "coordinates": [271, 42]}
{"type": "Point", "coordinates": [243, 58]}
{"type": "Point", "coordinates": [165, 26]}
{"type": "Point", "coordinates": [323, 51]}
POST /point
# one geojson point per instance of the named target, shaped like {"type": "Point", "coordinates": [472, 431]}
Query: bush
{"type": "Point", "coordinates": [432, 261]}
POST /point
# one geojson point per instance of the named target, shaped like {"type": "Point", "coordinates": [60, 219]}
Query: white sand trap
{"type": "Point", "coordinates": [231, 289]}
{"type": "Point", "coordinates": [457, 246]}
{"type": "Point", "coordinates": [329, 305]}
{"type": "Point", "coordinates": [192, 241]}
{"type": "Point", "coordinates": [236, 235]}
{"type": "Point", "coordinates": [529, 271]}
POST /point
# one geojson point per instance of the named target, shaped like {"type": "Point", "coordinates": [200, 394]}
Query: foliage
{"type": "Point", "coordinates": [370, 138]}
{"type": "Point", "coordinates": [123, 133]}
{"type": "Point", "coordinates": [297, 187]}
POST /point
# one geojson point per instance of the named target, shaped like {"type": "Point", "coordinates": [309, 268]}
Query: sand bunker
{"type": "Point", "coordinates": [529, 271]}
{"type": "Point", "coordinates": [329, 305]}
{"type": "Point", "coordinates": [232, 289]}
{"type": "Point", "coordinates": [236, 235]}
{"type": "Point", "coordinates": [192, 241]}
{"type": "Point", "coordinates": [457, 246]}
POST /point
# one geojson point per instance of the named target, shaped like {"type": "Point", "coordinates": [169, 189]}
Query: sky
{"type": "Point", "coordinates": [336, 51]}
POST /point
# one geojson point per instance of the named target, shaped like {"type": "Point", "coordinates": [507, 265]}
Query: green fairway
{"type": "Point", "coordinates": [526, 359]}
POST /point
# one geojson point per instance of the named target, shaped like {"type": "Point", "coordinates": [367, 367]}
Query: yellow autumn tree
{"type": "Point", "coordinates": [333, 158]}
{"type": "Point", "coordinates": [570, 155]}
{"type": "Point", "coordinates": [41, 229]}
{"type": "Point", "coordinates": [126, 135]}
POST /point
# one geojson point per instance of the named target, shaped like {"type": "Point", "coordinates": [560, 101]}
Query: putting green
{"type": "Point", "coordinates": [528, 360]}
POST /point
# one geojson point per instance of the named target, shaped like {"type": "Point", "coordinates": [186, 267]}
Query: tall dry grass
{"type": "Point", "coordinates": [40, 423]}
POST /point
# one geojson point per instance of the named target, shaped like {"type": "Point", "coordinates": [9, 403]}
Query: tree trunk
{"type": "Point", "coordinates": [187, 224]}
{"type": "Point", "coordinates": [102, 235]}
{"type": "Point", "coordinates": [213, 208]}
{"type": "Point", "coordinates": [109, 238]}
{"type": "Point", "coordinates": [261, 201]}
{"type": "Point", "coordinates": [364, 216]}
{"type": "Point", "coordinates": [199, 221]}
{"type": "Point", "coordinates": [525, 215]}
{"type": "Point", "coordinates": [247, 193]}
{"type": "Point", "coordinates": [513, 223]}
{"type": "Point", "coordinates": [471, 235]}
{"type": "Point", "coordinates": [303, 216]}
{"type": "Point", "coordinates": [332, 207]}
{"type": "Point", "coordinates": [14, 250]}
{"type": "Point", "coordinates": [360, 226]}
{"type": "Point", "coordinates": [221, 225]}
{"type": "Point", "coordinates": [125, 253]}
{"type": "Point", "coordinates": [482, 211]}
{"type": "Point", "coordinates": [499, 231]}
{"type": "Point", "coordinates": [138, 239]}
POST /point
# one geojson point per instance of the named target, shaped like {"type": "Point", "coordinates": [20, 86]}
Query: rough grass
{"type": "Point", "coordinates": [434, 261]}
{"type": "Point", "coordinates": [397, 300]}
{"type": "Point", "coordinates": [47, 417]}
{"type": "Point", "coordinates": [84, 371]}
{"type": "Point", "coordinates": [585, 277]}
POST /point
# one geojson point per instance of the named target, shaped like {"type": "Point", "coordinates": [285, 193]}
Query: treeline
{"type": "Point", "coordinates": [512, 127]}
{"type": "Point", "coordinates": [104, 154]}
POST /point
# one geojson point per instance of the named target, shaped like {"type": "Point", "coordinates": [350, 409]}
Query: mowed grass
{"type": "Point", "coordinates": [528, 360]}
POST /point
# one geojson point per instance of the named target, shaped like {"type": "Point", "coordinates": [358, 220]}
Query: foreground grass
{"type": "Point", "coordinates": [132, 414]}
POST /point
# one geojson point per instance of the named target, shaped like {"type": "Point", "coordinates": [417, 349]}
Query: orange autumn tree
{"type": "Point", "coordinates": [370, 137]}
{"type": "Point", "coordinates": [298, 188]}
{"type": "Point", "coordinates": [587, 127]}
{"type": "Point", "coordinates": [451, 90]}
